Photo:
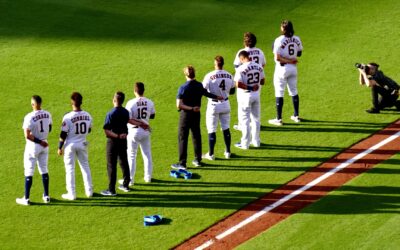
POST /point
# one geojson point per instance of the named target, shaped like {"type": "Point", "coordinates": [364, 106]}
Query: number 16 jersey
{"type": "Point", "coordinates": [140, 109]}
{"type": "Point", "coordinates": [77, 125]}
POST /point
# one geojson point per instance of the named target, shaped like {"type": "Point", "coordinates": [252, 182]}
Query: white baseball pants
{"type": "Point", "coordinates": [218, 111]}
{"type": "Point", "coordinates": [249, 108]}
{"type": "Point", "coordinates": [285, 75]}
{"type": "Point", "coordinates": [80, 151]}
{"type": "Point", "coordinates": [35, 153]}
{"type": "Point", "coordinates": [139, 137]}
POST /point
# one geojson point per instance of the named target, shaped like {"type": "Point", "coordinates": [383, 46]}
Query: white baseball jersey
{"type": "Point", "coordinates": [77, 125]}
{"type": "Point", "coordinates": [140, 109]}
{"type": "Point", "coordinates": [38, 122]}
{"type": "Point", "coordinates": [287, 46]}
{"type": "Point", "coordinates": [219, 82]}
{"type": "Point", "coordinates": [249, 73]}
{"type": "Point", "coordinates": [286, 74]}
{"type": "Point", "coordinates": [256, 55]}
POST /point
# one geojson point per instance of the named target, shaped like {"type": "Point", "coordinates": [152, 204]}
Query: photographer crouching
{"type": "Point", "coordinates": [385, 91]}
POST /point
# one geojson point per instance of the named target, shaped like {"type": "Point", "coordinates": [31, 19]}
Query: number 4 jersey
{"type": "Point", "coordinates": [219, 83]}
{"type": "Point", "coordinates": [140, 109]}
{"type": "Point", "coordinates": [77, 125]}
{"type": "Point", "coordinates": [287, 47]}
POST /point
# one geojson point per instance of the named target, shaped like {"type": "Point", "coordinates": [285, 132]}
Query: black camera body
{"type": "Point", "coordinates": [362, 66]}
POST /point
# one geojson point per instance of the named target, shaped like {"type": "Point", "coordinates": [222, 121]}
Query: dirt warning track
{"type": "Point", "coordinates": [276, 206]}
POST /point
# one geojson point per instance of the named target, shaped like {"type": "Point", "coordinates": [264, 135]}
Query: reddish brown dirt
{"type": "Point", "coordinates": [302, 200]}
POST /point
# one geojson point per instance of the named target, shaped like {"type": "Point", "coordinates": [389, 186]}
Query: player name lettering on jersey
{"type": "Point", "coordinates": [40, 116]}
{"type": "Point", "coordinates": [80, 118]}
{"type": "Point", "coordinates": [140, 103]}
{"type": "Point", "coordinates": [221, 75]}
{"type": "Point", "coordinates": [252, 67]}
{"type": "Point", "coordinates": [254, 52]}
{"type": "Point", "coordinates": [290, 40]}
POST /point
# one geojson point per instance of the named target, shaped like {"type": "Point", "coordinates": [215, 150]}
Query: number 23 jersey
{"type": "Point", "coordinates": [140, 109]}
{"type": "Point", "coordinates": [77, 125]}
{"type": "Point", "coordinates": [287, 47]}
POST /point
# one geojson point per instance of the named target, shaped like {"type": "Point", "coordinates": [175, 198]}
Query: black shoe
{"type": "Point", "coordinates": [372, 111]}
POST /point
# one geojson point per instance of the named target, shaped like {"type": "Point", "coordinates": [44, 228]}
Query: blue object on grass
{"type": "Point", "coordinates": [152, 220]}
{"type": "Point", "coordinates": [186, 174]}
{"type": "Point", "coordinates": [175, 174]}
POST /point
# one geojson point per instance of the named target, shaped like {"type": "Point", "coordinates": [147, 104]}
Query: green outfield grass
{"type": "Point", "coordinates": [52, 48]}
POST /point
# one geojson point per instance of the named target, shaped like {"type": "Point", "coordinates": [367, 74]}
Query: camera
{"type": "Point", "coordinates": [362, 66]}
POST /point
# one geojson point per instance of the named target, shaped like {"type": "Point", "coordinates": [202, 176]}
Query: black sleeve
{"type": "Point", "coordinates": [299, 53]}
{"type": "Point", "coordinates": [232, 91]}
{"type": "Point", "coordinates": [50, 127]}
{"type": "Point", "coordinates": [208, 94]}
{"type": "Point", "coordinates": [152, 116]}
{"type": "Point", "coordinates": [63, 135]}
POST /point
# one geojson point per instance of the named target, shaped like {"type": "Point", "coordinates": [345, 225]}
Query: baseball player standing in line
{"type": "Point", "coordinates": [141, 109]}
{"type": "Point", "coordinates": [76, 125]}
{"type": "Point", "coordinates": [287, 48]}
{"type": "Point", "coordinates": [256, 55]}
{"type": "Point", "coordinates": [249, 77]}
{"type": "Point", "coordinates": [218, 82]}
{"type": "Point", "coordinates": [36, 126]}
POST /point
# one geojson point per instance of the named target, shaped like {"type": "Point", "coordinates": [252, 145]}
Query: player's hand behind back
{"type": "Point", "coordinates": [60, 152]}
{"type": "Point", "coordinates": [44, 144]}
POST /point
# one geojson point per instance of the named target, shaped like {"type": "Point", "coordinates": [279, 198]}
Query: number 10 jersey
{"type": "Point", "coordinates": [77, 125]}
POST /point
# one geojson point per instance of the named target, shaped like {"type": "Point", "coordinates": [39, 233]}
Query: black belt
{"type": "Point", "coordinates": [215, 100]}
{"type": "Point", "coordinates": [283, 64]}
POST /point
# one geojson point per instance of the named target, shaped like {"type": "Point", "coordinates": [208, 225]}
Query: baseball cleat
{"type": "Point", "coordinates": [121, 181]}
{"type": "Point", "coordinates": [122, 188]}
{"type": "Point", "coordinates": [89, 194]}
{"type": "Point", "coordinates": [146, 179]}
{"type": "Point", "coordinates": [178, 166]}
{"type": "Point", "coordinates": [237, 127]}
{"type": "Point", "coordinates": [255, 144]}
{"type": "Point", "coordinates": [295, 118]}
{"type": "Point", "coordinates": [372, 111]}
{"type": "Point", "coordinates": [23, 201]}
{"type": "Point", "coordinates": [68, 197]}
{"type": "Point", "coordinates": [208, 156]}
{"type": "Point", "coordinates": [276, 122]}
{"type": "Point", "coordinates": [227, 155]}
{"type": "Point", "coordinates": [107, 193]}
{"type": "Point", "coordinates": [196, 163]}
{"type": "Point", "coordinates": [239, 145]}
{"type": "Point", "coordinates": [46, 199]}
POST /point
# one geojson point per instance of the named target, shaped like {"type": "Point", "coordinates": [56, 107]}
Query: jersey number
{"type": "Point", "coordinates": [291, 49]}
{"type": "Point", "coordinates": [41, 127]}
{"type": "Point", "coordinates": [222, 85]}
{"type": "Point", "coordinates": [253, 78]}
{"type": "Point", "coordinates": [80, 128]}
{"type": "Point", "coordinates": [141, 113]}
{"type": "Point", "coordinates": [255, 59]}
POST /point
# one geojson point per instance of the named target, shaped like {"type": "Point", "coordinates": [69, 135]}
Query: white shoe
{"type": "Point", "coordinates": [147, 180]}
{"type": "Point", "coordinates": [227, 155]}
{"type": "Point", "coordinates": [237, 127]}
{"type": "Point", "coordinates": [89, 194]}
{"type": "Point", "coordinates": [68, 196]}
{"type": "Point", "coordinates": [208, 156]}
{"type": "Point", "coordinates": [46, 199]}
{"type": "Point", "coordinates": [255, 144]}
{"type": "Point", "coordinates": [121, 181]}
{"type": "Point", "coordinates": [276, 122]}
{"type": "Point", "coordinates": [23, 201]}
{"type": "Point", "coordinates": [239, 145]}
{"type": "Point", "coordinates": [295, 118]}
{"type": "Point", "coordinates": [122, 188]}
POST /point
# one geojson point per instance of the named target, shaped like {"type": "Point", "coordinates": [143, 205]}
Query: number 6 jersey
{"type": "Point", "coordinates": [77, 125]}
{"type": "Point", "coordinates": [287, 47]}
{"type": "Point", "coordinates": [140, 109]}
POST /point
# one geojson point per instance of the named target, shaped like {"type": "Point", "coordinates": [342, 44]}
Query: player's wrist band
{"type": "Point", "coordinates": [60, 144]}
{"type": "Point", "coordinates": [36, 140]}
{"type": "Point", "coordinates": [249, 88]}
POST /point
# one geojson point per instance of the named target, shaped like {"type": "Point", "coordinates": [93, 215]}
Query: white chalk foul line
{"type": "Point", "coordinates": [298, 191]}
